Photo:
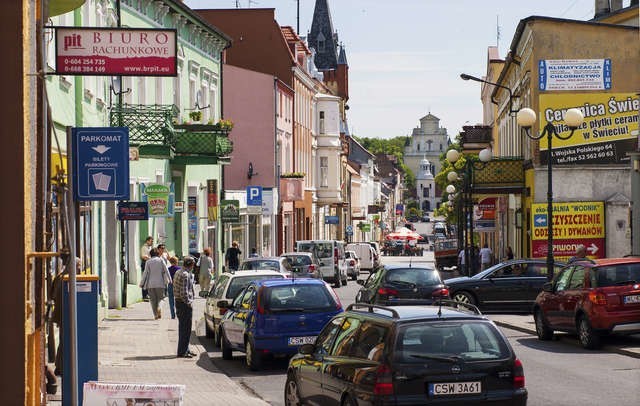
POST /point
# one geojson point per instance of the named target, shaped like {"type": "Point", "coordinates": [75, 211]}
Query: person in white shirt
{"type": "Point", "coordinates": [205, 262]}
{"type": "Point", "coordinates": [155, 279]}
{"type": "Point", "coordinates": [485, 256]}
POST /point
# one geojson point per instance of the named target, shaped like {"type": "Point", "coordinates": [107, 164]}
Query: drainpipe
{"type": "Point", "coordinates": [276, 169]}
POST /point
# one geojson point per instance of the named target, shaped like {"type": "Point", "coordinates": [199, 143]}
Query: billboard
{"type": "Point", "coordinates": [609, 131]}
{"type": "Point", "coordinates": [574, 223]}
{"type": "Point", "coordinates": [116, 51]}
{"type": "Point", "coordinates": [574, 74]}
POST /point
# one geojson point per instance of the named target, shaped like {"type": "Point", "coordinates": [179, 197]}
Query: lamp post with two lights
{"type": "Point", "coordinates": [573, 118]}
{"type": "Point", "coordinates": [466, 198]}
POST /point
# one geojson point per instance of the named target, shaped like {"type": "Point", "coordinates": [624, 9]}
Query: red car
{"type": "Point", "coordinates": [592, 299]}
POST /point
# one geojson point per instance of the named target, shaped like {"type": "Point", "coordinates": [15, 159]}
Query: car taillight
{"type": "Point", "coordinates": [597, 298]}
{"type": "Point", "coordinates": [518, 374]}
{"type": "Point", "coordinates": [260, 305]}
{"type": "Point", "coordinates": [387, 291]}
{"type": "Point", "coordinates": [312, 268]}
{"type": "Point", "coordinates": [335, 256]}
{"type": "Point", "coordinates": [222, 311]}
{"type": "Point", "coordinates": [352, 262]}
{"type": "Point", "coordinates": [443, 292]}
{"type": "Point", "coordinates": [384, 382]}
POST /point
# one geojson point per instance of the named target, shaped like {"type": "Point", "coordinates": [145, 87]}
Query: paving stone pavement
{"type": "Point", "coordinates": [135, 348]}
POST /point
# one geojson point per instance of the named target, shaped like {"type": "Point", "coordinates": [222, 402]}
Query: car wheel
{"type": "Point", "coordinates": [253, 358]}
{"type": "Point", "coordinates": [227, 353]}
{"type": "Point", "coordinates": [542, 329]}
{"type": "Point", "coordinates": [464, 297]}
{"type": "Point", "coordinates": [588, 338]}
{"type": "Point", "coordinates": [348, 401]}
{"type": "Point", "coordinates": [291, 393]}
{"type": "Point", "coordinates": [337, 282]}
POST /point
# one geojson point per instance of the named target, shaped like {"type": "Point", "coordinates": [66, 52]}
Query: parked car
{"type": "Point", "coordinates": [279, 264]}
{"type": "Point", "coordinates": [366, 253]}
{"type": "Point", "coordinates": [275, 317]}
{"type": "Point", "coordinates": [376, 248]}
{"type": "Point", "coordinates": [508, 286]}
{"type": "Point", "coordinates": [304, 264]}
{"type": "Point", "coordinates": [426, 218]}
{"type": "Point", "coordinates": [226, 287]}
{"type": "Point", "coordinates": [353, 264]}
{"type": "Point", "coordinates": [401, 285]}
{"type": "Point", "coordinates": [592, 299]}
{"type": "Point", "coordinates": [407, 355]}
{"type": "Point", "coordinates": [330, 253]}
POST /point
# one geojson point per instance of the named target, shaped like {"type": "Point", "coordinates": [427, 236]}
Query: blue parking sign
{"type": "Point", "coordinates": [254, 195]}
{"type": "Point", "coordinates": [100, 163]}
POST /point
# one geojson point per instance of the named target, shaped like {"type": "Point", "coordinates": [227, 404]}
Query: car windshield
{"type": "Point", "coordinates": [414, 276]}
{"type": "Point", "coordinates": [240, 282]}
{"type": "Point", "coordinates": [449, 341]}
{"type": "Point", "coordinates": [299, 297]}
{"type": "Point", "coordinates": [261, 264]}
{"type": "Point", "coordinates": [612, 275]}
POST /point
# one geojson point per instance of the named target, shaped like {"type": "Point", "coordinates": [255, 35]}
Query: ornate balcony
{"type": "Point", "coordinates": [206, 142]}
{"type": "Point", "coordinates": [150, 127]}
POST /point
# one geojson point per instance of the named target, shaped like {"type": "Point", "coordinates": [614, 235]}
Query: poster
{"type": "Point", "coordinates": [160, 198]}
{"type": "Point", "coordinates": [132, 394]}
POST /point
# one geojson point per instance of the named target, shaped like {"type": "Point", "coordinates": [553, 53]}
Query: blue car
{"type": "Point", "coordinates": [275, 317]}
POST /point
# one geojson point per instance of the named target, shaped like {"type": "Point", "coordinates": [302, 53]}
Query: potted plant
{"type": "Point", "coordinates": [292, 175]}
{"type": "Point", "coordinates": [195, 115]}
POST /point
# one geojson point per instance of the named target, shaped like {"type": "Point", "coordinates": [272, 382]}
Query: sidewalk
{"type": "Point", "coordinates": [135, 348]}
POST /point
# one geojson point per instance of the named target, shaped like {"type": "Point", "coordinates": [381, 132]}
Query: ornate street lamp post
{"type": "Point", "coordinates": [470, 164]}
{"type": "Point", "coordinates": [526, 118]}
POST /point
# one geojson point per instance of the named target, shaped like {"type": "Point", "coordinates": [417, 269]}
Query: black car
{"type": "Point", "coordinates": [407, 355]}
{"type": "Point", "coordinates": [402, 284]}
{"type": "Point", "coordinates": [508, 286]}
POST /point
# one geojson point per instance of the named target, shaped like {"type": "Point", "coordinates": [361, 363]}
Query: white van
{"type": "Point", "coordinates": [366, 253]}
{"type": "Point", "coordinates": [333, 265]}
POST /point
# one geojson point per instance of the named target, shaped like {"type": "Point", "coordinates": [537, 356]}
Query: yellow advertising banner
{"type": "Point", "coordinates": [609, 131]}
{"type": "Point", "coordinates": [571, 220]}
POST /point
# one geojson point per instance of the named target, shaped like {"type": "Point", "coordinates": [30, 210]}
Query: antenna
{"type": "Point", "coordinates": [498, 33]}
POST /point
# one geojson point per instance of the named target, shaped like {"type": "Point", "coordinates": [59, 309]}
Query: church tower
{"type": "Point", "coordinates": [425, 186]}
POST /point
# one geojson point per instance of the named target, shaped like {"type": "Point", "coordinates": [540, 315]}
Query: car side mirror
{"type": "Point", "coordinates": [360, 282]}
{"type": "Point", "coordinates": [223, 304]}
{"type": "Point", "coordinates": [307, 349]}
{"type": "Point", "coordinates": [547, 287]}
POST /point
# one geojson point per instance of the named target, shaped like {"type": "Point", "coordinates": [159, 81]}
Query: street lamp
{"type": "Point", "coordinates": [470, 164]}
{"type": "Point", "coordinates": [574, 119]}
{"type": "Point", "coordinates": [464, 76]}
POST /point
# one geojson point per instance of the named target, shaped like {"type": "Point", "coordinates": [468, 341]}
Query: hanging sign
{"type": "Point", "coordinates": [133, 211]}
{"type": "Point", "coordinates": [230, 211]}
{"type": "Point", "coordinates": [160, 197]}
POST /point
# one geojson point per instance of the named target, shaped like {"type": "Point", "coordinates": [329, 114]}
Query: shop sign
{"type": "Point", "coordinates": [116, 51]}
{"type": "Point", "coordinates": [484, 214]}
{"type": "Point", "coordinates": [331, 220]}
{"type": "Point", "coordinates": [128, 211]}
{"type": "Point", "coordinates": [574, 74]}
{"type": "Point", "coordinates": [159, 197]}
{"type": "Point", "coordinates": [574, 223]}
{"type": "Point", "coordinates": [230, 211]}
{"type": "Point", "coordinates": [212, 199]}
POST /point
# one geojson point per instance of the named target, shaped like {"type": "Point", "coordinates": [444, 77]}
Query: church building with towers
{"type": "Point", "coordinates": [422, 153]}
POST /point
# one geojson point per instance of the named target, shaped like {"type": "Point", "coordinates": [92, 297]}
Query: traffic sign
{"type": "Point", "coordinates": [100, 163]}
{"type": "Point", "coordinates": [349, 230]}
{"type": "Point", "coordinates": [254, 195]}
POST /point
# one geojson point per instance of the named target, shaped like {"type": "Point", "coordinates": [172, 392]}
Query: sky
{"type": "Point", "coordinates": [405, 56]}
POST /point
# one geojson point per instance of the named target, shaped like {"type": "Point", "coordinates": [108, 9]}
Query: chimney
{"type": "Point", "coordinates": [615, 5]}
{"type": "Point", "coordinates": [602, 8]}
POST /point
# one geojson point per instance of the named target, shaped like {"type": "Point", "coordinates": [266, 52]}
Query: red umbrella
{"type": "Point", "coordinates": [403, 233]}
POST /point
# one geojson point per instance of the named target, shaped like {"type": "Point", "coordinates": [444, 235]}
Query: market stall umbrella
{"type": "Point", "coordinates": [403, 233]}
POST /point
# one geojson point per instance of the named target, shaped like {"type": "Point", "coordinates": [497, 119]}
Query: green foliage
{"type": "Point", "coordinates": [391, 146]}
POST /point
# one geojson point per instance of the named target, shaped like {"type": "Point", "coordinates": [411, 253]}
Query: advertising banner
{"type": "Point", "coordinates": [212, 199]}
{"type": "Point", "coordinates": [574, 223]}
{"type": "Point", "coordinates": [574, 74]}
{"type": "Point", "coordinates": [609, 131]}
{"type": "Point", "coordinates": [192, 222]}
{"type": "Point", "coordinates": [116, 51]}
{"type": "Point", "coordinates": [230, 211]}
{"type": "Point", "coordinates": [484, 214]}
{"type": "Point", "coordinates": [133, 211]}
{"type": "Point", "coordinates": [160, 197]}
{"type": "Point", "coordinates": [126, 394]}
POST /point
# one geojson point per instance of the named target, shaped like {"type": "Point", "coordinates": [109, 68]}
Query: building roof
{"type": "Point", "coordinates": [290, 36]}
{"type": "Point", "coordinates": [322, 30]}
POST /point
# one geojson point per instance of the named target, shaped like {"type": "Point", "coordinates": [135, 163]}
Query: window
{"type": "Point", "coordinates": [321, 123]}
{"type": "Point", "coordinates": [241, 282]}
{"type": "Point", "coordinates": [425, 192]}
{"type": "Point", "coordinates": [370, 344]}
{"type": "Point", "coordinates": [577, 278]}
{"type": "Point", "coordinates": [347, 338]}
{"type": "Point", "coordinates": [563, 280]}
{"type": "Point", "coordinates": [324, 171]}
{"type": "Point", "coordinates": [324, 342]}
{"type": "Point", "coordinates": [218, 288]}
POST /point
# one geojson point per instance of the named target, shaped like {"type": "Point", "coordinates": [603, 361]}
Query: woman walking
{"type": "Point", "coordinates": [155, 279]}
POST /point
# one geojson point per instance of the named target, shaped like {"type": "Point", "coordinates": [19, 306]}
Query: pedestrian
{"type": "Point", "coordinates": [162, 253]}
{"type": "Point", "coordinates": [254, 253]}
{"type": "Point", "coordinates": [205, 262]}
{"type": "Point", "coordinates": [184, 295]}
{"type": "Point", "coordinates": [509, 253]}
{"type": "Point", "coordinates": [56, 315]}
{"type": "Point", "coordinates": [485, 257]}
{"type": "Point", "coordinates": [232, 256]}
{"type": "Point", "coordinates": [155, 279]}
{"type": "Point", "coordinates": [581, 254]}
{"type": "Point", "coordinates": [144, 257]}
{"type": "Point", "coordinates": [170, 295]}
{"type": "Point", "coordinates": [461, 260]}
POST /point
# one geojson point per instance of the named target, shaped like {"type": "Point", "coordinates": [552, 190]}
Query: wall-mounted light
{"type": "Point", "coordinates": [250, 172]}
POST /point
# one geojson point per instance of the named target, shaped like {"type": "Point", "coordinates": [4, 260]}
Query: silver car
{"type": "Point", "coordinates": [304, 264]}
{"type": "Point", "coordinates": [353, 264]}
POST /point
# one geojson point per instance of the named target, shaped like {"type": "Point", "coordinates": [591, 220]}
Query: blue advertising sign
{"type": "Point", "coordinates": [331, 220]}
{"type": "Point", "coordinates": [349, 230]}
{"type": "Point", "coordinates": [133, 211]}
{"type": "Point", "coordinates": [100, 163]}
{"type": "Point", "coordinates": [254, 195]}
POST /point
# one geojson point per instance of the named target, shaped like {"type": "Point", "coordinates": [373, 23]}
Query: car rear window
{"type": "Point", "coordinates": [299, 297]}
{"type": "Point", "coordinates": [415, 276]}
{"type": "Point", "coordinates": [297, 260]}
{"type": "Point", "coordinates": [321, 249]}
{"type": "Point", "coordinates": [446, 340]}
{"type": "Point", "coordinates": [251, 265]}
{"type": "Point", "coordinates": [616, 275]}
{"type": "Point", "coordinates": [240, 282]}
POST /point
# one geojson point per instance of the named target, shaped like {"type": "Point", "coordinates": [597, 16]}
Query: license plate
{"type": "Point", "coordinates": [454, 388]}
{"type": "Point", "coordinates": [302, 340]}
{"type": "Point", "coordinates": [632, 299]}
